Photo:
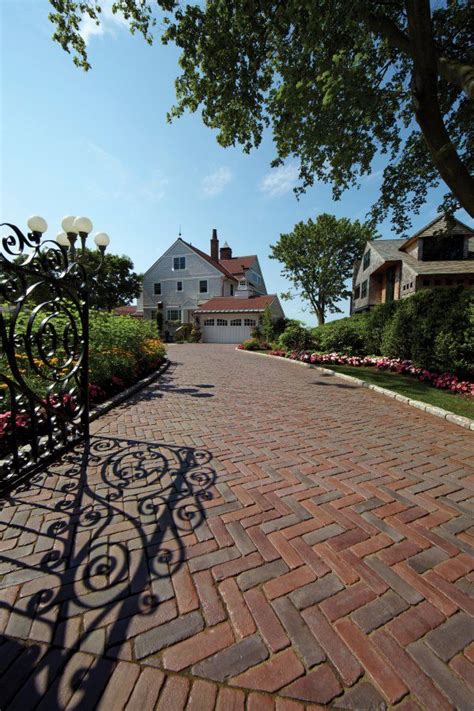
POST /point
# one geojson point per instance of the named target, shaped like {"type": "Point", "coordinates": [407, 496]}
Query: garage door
{"type": "Point", "coordinates": [226, 330]}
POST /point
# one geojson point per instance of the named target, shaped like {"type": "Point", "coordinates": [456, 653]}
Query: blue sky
{"type": "Point", "coordinates": [98, 144]}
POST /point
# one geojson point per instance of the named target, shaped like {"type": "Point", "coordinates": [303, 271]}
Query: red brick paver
{"type": "Point", "coordinates": [244, 534]}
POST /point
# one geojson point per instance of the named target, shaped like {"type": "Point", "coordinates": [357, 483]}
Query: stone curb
{"type": "Point", "coordinates": [465, 422]}
{"type": "Point", "coordinates": [104, 407]}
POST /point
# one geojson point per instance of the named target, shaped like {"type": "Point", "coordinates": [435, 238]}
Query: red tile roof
{"type": "Point", "coordinates": [209, 259]}
{"type": "Point", "coordinates": [237, 265]}
{"type": "Point", "coordinates": [125, 310]}
{"type": "Point", "coordinates": [236, 304]}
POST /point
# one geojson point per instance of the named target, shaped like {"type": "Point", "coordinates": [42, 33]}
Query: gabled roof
{"type": "Point", "coordinates": [234, 304]}
{"type": "Point", "coordinates": [440, 225]}
{"type": "Point", "coordinates": [210, 260]}
{"type": "Point", "coordinates": [238, 265]}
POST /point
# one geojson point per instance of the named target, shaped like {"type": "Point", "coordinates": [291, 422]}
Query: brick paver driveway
{"type": "Point", "coordinates": [244, 533]}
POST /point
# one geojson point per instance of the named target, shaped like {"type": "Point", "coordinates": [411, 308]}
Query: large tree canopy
{"type": "Point", "coordinates": [338, 82]}
{"type": "Point", "coordinates": [318, 257]}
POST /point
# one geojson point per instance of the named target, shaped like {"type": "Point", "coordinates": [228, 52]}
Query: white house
{"type": "Point", "coordinates": [226, 295]}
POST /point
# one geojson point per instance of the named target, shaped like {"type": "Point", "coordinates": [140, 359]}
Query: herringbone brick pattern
{"type": "Point", "coordinates": [244, 534]}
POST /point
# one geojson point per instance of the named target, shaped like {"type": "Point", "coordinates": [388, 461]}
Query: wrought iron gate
{"type": "Point", "coordinates": [44, 325]}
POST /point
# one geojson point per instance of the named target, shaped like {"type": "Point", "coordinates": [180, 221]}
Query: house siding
{"type": "Point", "coordinates": [197, 269]}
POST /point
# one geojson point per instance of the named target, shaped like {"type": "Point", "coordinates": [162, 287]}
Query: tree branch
{"type": "Point", "coordinates": [427, 110]}
{"type": "Point", "coordinates": [458, 73]}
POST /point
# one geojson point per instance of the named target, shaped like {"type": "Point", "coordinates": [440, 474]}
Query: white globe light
{"type": "Point", "coordinates": [62, 239]}
{"type": "Point", "coordinates": [68, 223]}
{"type": "Point", "coordinates": [37, 224]}
{"type": "Point", "coordinates": [101, 239]}
{"type": "Point", "coordinates": [82, 224]}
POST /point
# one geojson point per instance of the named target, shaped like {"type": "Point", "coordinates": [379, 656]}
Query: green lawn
{"type": "Point", "coordinates": [412, 388]}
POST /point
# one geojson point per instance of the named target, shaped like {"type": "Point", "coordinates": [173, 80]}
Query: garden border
{"type": "Point", "coordinates": [465, 422]}
{"type": "Point", "coordinates": [109, 404]}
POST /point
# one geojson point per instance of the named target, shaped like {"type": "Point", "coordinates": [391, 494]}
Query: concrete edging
{"type": "Point", "coordinates": [465, 422]}
{"type": "Point", "coordinates": [104, 407]}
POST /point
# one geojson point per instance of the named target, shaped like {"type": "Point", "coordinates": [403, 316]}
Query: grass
{"type": "Point", "coordinates": [412, 388]}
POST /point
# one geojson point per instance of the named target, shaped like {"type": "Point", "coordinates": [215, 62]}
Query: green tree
{"type": "Point", "coordinates": [268, 328]}
{"type": "Point", "coordinates": [318, 258]}
{"type": "Point", "coordinates": [115, 285]}
{"type": "Point", "coordinates": [338, 82]}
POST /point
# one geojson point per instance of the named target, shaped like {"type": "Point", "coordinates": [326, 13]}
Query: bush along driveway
{"type": "Point", "coordinates": [244, 534]}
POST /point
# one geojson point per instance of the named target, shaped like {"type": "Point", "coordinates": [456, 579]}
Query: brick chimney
{"type": "Point", "coordinates": [226, 252]}
{"type": "Point", "coordinates": [214, 245]}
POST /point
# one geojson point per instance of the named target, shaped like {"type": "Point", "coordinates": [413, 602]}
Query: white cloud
{"type": "Point", "coordinates": [215, 182]}
{"type": "Point", "coordinates": [109, 21]}
{"type": "Point", "coordinates": [279, 181]}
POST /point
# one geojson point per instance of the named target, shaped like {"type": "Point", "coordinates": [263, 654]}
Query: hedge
{"type": "Point", "coordinates": [434, 329]}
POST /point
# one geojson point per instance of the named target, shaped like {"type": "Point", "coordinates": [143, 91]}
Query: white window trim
{"type": "Point", "coordinates": [207, 286]}
{"type": "Point", "coordinates": [174, 308]}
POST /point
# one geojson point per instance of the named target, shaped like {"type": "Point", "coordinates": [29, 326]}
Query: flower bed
{"type": "Point", "coordinates": [443, 381]}
{"type": "Point", "coordinates": [122, 351]}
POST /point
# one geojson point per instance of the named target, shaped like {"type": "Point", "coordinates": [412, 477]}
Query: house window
{"type": "Point", "coordinates": [249, 322]}
{"type": "Point", "coordinates": [366, 259]}
{"type": "Point", "coordinates": [364, 288]}
{"type": "Point", "coordinates": [179, 263]}
{"type": "Point", "coordinates": [236, 322]}
{"type": "Point", "coordinates": [209, 322]}
{"type": "Point", "coordinates": [443, 248]}
{"type": "Point", "coordinates": [203, 286]}
{"type": "Point", "coordinates": [357, 292]}
{"type": "Point", "coordinates": [243, 282]}
{"type": "Point", "coordinates": [179, 286]}
{"type": "Point", "coordinates": [222, 322]}
{"type": "Point", "coordinates": [157, 289]}
{"type": "Point", "coordinates": [232, 290]}
{"type": "Point", "coordinates": [174, 315]}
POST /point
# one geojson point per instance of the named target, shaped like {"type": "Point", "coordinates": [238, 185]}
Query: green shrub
{"type": "Point", "coordinates": [183, 333]}
{"type": "Point", "coordinates": [268, 329]}
{"type": "Point", "coordinates": [196, 334]}
{"type": "Point", "coordinates": [435, 329]}
{"type": "Point", "coordinates": [296, 337]}
{"type": "Point", "coordinates": [373, 324]}
{"type": "Point", "coordinates": [344, 336]}
{"type": "Point", "coordinates": [252, 344]}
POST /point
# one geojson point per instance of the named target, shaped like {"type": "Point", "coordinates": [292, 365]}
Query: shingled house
{"type": "Point", "coordinates": [440, 254]}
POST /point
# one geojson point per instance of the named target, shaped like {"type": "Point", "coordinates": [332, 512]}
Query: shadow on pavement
{"type": "Point", "coordinates": [87, 553]}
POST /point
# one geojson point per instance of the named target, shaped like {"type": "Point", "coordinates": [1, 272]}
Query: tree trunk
{"type": "Point", "coordinates": [427, 111]}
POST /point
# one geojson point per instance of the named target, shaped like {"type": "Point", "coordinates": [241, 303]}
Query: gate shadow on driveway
{"type": "Point", "coordinates": [88, 552]}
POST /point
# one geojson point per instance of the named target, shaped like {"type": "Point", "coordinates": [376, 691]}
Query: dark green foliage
{"type": "Point", "coordinates": [183, 333]}
{"type": "Point", "coordinates": [268, 329]}
{"type": "Point", "coordinates": [333, 80]}
{"type": "Point", "coordinates": [435, 329]}
{"type": "Point", "coordinates": [159, 322]}
{"type": "Point", "coordinates": [253, 344]}
{"type": "Point", "coordinates": [318, 258]}
{"type": "Point", "coordinates": [196, 334]}
{"type": "Point", "coordinates": [296, 337]}
{"type": "Point", "coordinates": [347, 335]}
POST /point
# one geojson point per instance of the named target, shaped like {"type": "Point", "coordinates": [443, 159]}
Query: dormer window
{"type": "Point", "coordinates": [366, 261]}
{"type": "Point", "coordinates": [242, 283]}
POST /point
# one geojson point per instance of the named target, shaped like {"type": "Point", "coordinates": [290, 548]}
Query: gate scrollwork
{"type": "Point", "coordinates": [44, 333]}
